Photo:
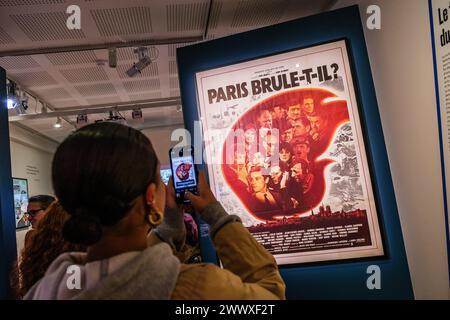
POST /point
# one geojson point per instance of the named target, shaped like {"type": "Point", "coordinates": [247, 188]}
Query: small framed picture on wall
{"type": "Point", "coordinates": [20, 187]}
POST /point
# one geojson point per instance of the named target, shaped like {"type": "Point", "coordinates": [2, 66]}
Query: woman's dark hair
{"type": "Point", "coordinates": [97, 172]}
{"type": "Point", "coordinates": [43, 247]}
{"type": "Point", "coordinates": [43, 199]}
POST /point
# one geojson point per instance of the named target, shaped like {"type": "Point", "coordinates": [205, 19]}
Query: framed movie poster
{"type": "Point", "coordinates": [285, 152]}
{"type": "Point", "coordinates": [20, 189]}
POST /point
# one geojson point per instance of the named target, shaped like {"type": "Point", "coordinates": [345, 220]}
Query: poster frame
{"type": "Point", "coordinates": [441, 144]}
{"type": "Point", "coordinates": [345, 279]}
{"type": "Point", "coordinates": [28, 196]}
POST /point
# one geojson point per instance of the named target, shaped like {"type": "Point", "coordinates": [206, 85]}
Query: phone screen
{"type": "Point", "coordinates": [183, 172]}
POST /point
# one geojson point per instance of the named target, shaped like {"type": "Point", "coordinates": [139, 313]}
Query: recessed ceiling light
{"type": "Point", "coordinates": [57, 123]}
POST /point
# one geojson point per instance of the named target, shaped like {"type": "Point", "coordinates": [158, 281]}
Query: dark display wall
{"type": "Point", "coordinates": [325, 280]}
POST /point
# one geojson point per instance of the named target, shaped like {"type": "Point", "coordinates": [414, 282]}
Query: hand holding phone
{"type": "Point", "coordinates": [184, 173]}
{"type": "Point", "coordinates": [205, 196]}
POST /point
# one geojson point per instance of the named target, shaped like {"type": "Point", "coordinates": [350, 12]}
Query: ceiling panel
{"type": "Point", "coordinates": [92, 74]}
{"type": "Point", "coordinates": [188, 16]}
{"type": "Point", "coordinates": [20, 62]}
{"type": "Point", "coordinates": [142, 85]}
{"type": "Point", "coordinates": [46, 26]}
{"type": "Point", "coordinates": [174, 83]}
{"type": "Point", "coordinates": [7, 3]}
{"type": "Point", "coordinates": [5, 38]}
{"type": "Point", "coordinates": [123, 21]}
{"type": "Point", "coordinates": [54, 94]}
{"type": "Point", "coordinates": [256, 12]}
{"type": "Point", "coordinates": [173, 69]}
{"type": "Point", "coordinates": [96, 89]}
{"type": "Point", "coordinates": [34, 79]}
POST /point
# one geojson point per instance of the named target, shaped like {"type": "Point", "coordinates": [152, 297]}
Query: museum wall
{"type": "Point", "coordinates": [161, 140]}
{"type": "Point", "coordinates": [401, 59]}
{"type": "Point", "coordinates": [31, 158]}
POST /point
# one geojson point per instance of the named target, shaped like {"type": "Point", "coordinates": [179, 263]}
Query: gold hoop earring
{"type": "Point", "coordinates": [152, 220]}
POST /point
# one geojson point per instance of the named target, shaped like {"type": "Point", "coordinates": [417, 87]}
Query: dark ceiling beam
{"type": "Point", "coordinates": [207, 19]}
{"type": "Point", "coordinates": [100, 46]}
{"type": "Point", "coordinates": [329, 5]}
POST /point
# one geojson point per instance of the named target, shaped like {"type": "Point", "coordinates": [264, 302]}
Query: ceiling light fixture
{"type": "Point", "coordinates": [144, 61]}
{"type": "Point", "coordinates": [136, 115]}
{"type": "Point", "coordinates": [82, 120]}
{"type": "Point", "coordinates": [58, 123]}
{"type": "Point", "coordinates": [12, 98]}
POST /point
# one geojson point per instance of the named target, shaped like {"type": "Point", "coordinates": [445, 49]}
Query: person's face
{"type": "Point", "coordinates": [300, 129]}
{"type": "Point", "coordinates": [250, 136]}
{"type": "Point", "coordinates": [257, 182]}
{"type": "Point", "coordinates": [308, 105]}
{"type": "Point", "coordinates": [301, 150]}
{"type": "Point", "coordinates": [287, 135]}
{"type": "Point", "coordinates": [294, 111]}
{"type": "Point", "coordinates": [240, 158]}
{"type": "Point", "coordinates": [35, 213]}
{"type": "Point", "coordinates": [278, 112]}
{"type": "Point", "coordinates": [275, 174]}
{"type": "Point", "coordinates": [317, 123]}
{"type": "Point", "coordinates": [265, 120]}
{"type": "Point", "coordinates": [258, 158]}
{"type": "Point", "coordinates": [285, 155]}
{"type": "Point", "coordinates": [297, 172]}
{"type": "Point", "coordinates": [269, 144]}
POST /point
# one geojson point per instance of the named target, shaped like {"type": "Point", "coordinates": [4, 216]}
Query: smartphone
{"type": "Point", "coordinates": [184, 172]}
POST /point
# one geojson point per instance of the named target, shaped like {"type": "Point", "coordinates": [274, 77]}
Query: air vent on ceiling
{"type": "Point", "coordinates": [53, 94]}
{"type": "Point", "coordinates": [173, 69]}
{"type": "Point", "coordinates": [174, 84]}
{"type": "Point", "coordinates": [85, 74]}
{"type": "Point", "coordinates": [96, 89]}
{"type": "Point", "coordinates": [150, 71]}
{"type": "Point", "coordinates": [182, 17]}
{"type": "Point", "coordinates": [13, 3]}
{"type": "Point", "coordinates": [33, 79]}
{"type": "Point", "coordinates": [5, 38]}
{"type": "Point", "coordinates": [142, 85]}
{"type": "Point", "coordinates": [215, 15]}
{"type": "Point", "coordinates": [46, 26]}
{"type": "Point", "coordinates": [123, 21]}
{"type": "Point", "coordinates": [75, 57]}
{"type": "Point", "coordinates": [19, 62]}
{"type": "Point", "coordinates": [256, 13]}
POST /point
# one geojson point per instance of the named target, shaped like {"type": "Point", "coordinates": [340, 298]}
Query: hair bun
{"type": "Point", "coordinates": [82, 227]}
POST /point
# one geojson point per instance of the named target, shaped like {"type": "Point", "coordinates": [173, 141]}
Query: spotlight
{"type": "Point", "coordinates": [13, 99]}
{"type": "Point", "coordinates": [144, 61]}
{"type": "Point", "coordinates": [11, 103]}
{"type": "Point", "coordinates": [82, 120]}
{"type": "Point", "coordinates": [136, 115]}
{"type": "Point", "coordinates": [58, 123]}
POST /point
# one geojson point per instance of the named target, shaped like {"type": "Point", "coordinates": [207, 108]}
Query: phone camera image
{"type": "Point", "coordinates": [183, 172]}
